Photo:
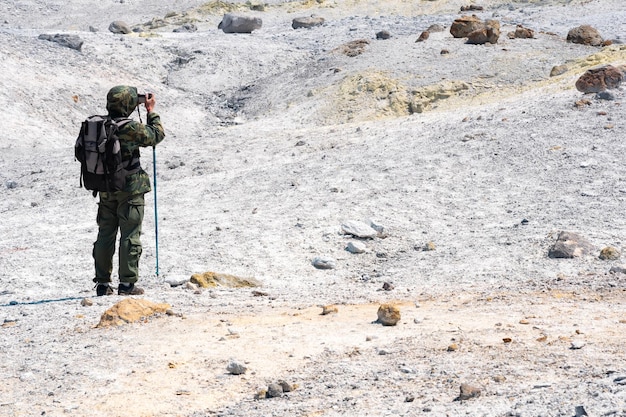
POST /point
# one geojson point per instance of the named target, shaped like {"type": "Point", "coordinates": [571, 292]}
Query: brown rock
{"type": "Point", "coordinates": [330, 309]}
{"type": "Point", "coordinates": [522, 33]}
{"type": "Point", "coordinates": [487, 34]}
{"type": "Point", "coordinates": [570, 245]}
{"type": "Point", "coordinates": [599, 79]}
{"type": "Point", "coordinates": [131, 310]}
{"type": "Point", "coordinates": [585, 35]}
{"type": "Point", "coordinates": [468, 392]}
{"type": "Point", "coordinates": [610, 254]}
{"type": "Point", "coordinates": [465, 25]}
{"type": "Point", "coordinates": [388, 315]}
{"type": "Point", "coordinates": [425, 34]}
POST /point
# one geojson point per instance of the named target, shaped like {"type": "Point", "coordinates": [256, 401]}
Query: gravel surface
{"type": "Point", "coordinates": [469, 163]}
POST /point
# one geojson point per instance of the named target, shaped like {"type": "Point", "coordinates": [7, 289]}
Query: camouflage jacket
{"type": "Point", "coordinates": [121, 101]}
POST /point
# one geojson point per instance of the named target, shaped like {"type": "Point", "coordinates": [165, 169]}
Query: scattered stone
{"type": "Point", "coordinates": [86, 302]}
{"type": "Point", "coordinates": [558, 70]}
{"type": "Point", "coordinates": [214, 279]}
{"type": "Point", "coordinates": [468, 391]}
{"type": "Point", "coordinates": [383, 34]}
{"type": "Point", "coordinates": [618, 269]}
{"type": "Point", "coordinates": [620, 380]}
{"type": "Point", "coordinates": [465, 25]}
{"type": "Point", "coordinates": [120, 27]}
{"type": "Point", "coordinates": [610, 254]}
{"type": "Point", "coordinates": [324, 263]}
{"type": "Point", "coordinates": [435, 28]}
{"type": "Point", "coordinates": [329, 309]}
{"type": "Point", "coordinates": [232, 23]}
{"type": "Point", "coordinates": [236, 368]}
{"type": "Point", "coordinates": [570, 245]}
{"type": "Point", "coordinates": [131, 310]}
{"type": "Point", "coordinates": [489, 33]}
{"type": "Point", "coordinates": [453, 347]}
{"type": "Point", "coordinates": [424, 35]}
{"type": "Point", "coordinates": [579, 411]}
{"type": "Point", "coordinates": [257, 293]}
{"type": "Point", "coordinates": [471, 7]}
{"type": "Point", "coordinates": [176, 282]}
{"type": "Point", "coordinates": [388, 315]}
{"type": "Point", "coordinates": [499, 378]}
{"type": "Point", "coordinates": [274, 391]}
{"type": "Point", "coordinates": [186, 28]}
{"type": "Point", "coordinates": [507, 339]}
{"type": "Point", "coordinates": [307, 22]}
{"type": "Point", "coordinates": [261, 394]}
{"type": "Point", "coordinates": [359, 229]}
{"type": "Point", "coordinates": [426, 247]}
{"type": "Point", "coordinates": [11, 185]}
{"type": "Point", "coordinates": [605, 95]}
{"type": "Point", "coordinates": [387, 286]}
{"type": "Point", "coordinates": [380, 229]}
{"type": "Point", "coordinates": [521, 33]}
{"type": "Point", "coordinates": [444, 52]}
{"type": "Point", "coordinates": [600, 79]}
{"type": "Point", "coordinates": [585, 35]}
{"type": "Point", "coordinates": [287, 387]}
{"type": "Point", "coordinates": [353, 48]}
{"type": "Point", "coordinates": [69, 41]}
{"type": "Point", "coordinates": [356, 247]}
{"type": "Point", "coordinates": [9, 322]}
{"type": "Point", "coordinates": [577, 344]}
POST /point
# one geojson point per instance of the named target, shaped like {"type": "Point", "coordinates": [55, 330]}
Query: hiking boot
{"type": "Point", "coordinates": [103, 289]}
{"type": "Point", "coordinates": [129, 289]}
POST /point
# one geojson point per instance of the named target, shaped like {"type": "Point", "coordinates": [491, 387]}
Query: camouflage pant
{"type": "Point", "coordinates": [121, 211]}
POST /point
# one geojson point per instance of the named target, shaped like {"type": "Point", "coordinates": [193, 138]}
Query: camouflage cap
{"type": "Point", "coordinates": [121, 101]}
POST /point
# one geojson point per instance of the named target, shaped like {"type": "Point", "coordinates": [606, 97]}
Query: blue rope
{"type": "Point", "coordinates": [54, 300]}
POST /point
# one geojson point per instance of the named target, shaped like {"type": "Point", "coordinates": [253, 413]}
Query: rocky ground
{"type": "Point", "coordinates": [472, 159]}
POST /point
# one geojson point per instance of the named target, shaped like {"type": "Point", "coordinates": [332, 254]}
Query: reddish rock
{"type": "Point", "coordinates": [522, 33]}
{"type": "Point", "coordinates": [425, 34]}
{"type": "Point", "coordinates": [487, 34]}
{"type": "Point", "coordinates": [585, 35]}
{"type": "Point", "coordinates": [600, 79]}
{"type": "Point", "coordinates": [465, 25]}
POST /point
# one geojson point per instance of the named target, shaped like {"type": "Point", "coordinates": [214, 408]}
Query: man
{"type": "Point", "coordinates": [124, 209]}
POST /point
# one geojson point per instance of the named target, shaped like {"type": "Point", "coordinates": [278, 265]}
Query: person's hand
{"type": "Point", "coordinates": [150, 102]}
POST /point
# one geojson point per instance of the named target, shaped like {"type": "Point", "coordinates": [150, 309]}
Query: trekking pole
{"type": "Point", "coordinates": [156, 216]}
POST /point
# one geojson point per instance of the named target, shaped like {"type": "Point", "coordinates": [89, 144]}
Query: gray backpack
{"type": "Point", "coordinates": [99, 152]}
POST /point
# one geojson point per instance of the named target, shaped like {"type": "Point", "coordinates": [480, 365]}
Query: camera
{"type": "Point", "coordinates": [141, 98]}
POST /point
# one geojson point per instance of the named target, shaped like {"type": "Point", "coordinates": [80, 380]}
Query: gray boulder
{"type": "Point", "coordinates": [570, 245]}
{"type": "Point", "coordinates": [120, 27]}
{"type": "Point", "coordinates": [69, 41]}
{"type": "Point", "coordinates": [307, 22]}
{"type": "Point", "coordinates": [232, 23]}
